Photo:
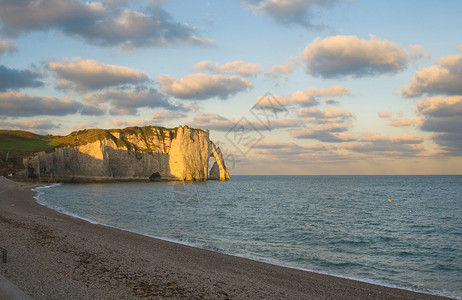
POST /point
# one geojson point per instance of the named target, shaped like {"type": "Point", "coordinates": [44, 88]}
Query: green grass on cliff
{"type": "Point", "coordinates": [18, 140]}
{"type": "Point", "coordinates": [26, 141]}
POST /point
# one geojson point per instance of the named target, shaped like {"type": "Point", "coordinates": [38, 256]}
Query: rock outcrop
{"type": "Point", "coordinates": [134, 153]}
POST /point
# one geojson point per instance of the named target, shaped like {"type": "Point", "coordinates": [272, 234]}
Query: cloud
{"type": "Point", "coordinates": [324, 115]}
{"type": "Point", "coordinates": [405, 145]}
{"type": "Point", "coordinates": [213, 122]}
{"type": "Point", "coordinates": [202, 86]}
{"type": "Point", "coordinates": [119, 123]}
{"type": "Point", "coordinates": [445, 77]}
{"type": "Point", "coordinates": [163, 116]}
{"type": "Point", "coordinates": [384, 114]}
{"type": "Point", "coordinates": [329, 125]}
{"type": "Point", "coordinates": [31, 125]}
{"type": "Point", "coordinates": [308, 97]}
{"type": "Point", "coordinates": [90, 75]}
{"type": "Point", "coordinates": [235, 67]}
{"type": "Point", "coordinates": [401, 122]}
{"type": "Point", "coordinates": [284, 69]}
{"type": "Point", "coordinates": [12, 79]}
{"type": "Point", "coordinates": [157, 119]}
{"type": "Point", "coordinates": [443, 116]}
{"type": "Point", "coordinates": [7, 46]}
{"type": "Point", "coordinates": [97, 23]}
{"type": "Point", "coordinates": [127, 101]}
{"type": "Point", "coordinates": [330, 133]}
{"type": "Point", "coordinates": [217, 122]}
{"type": "Point", "coordinates": [287, 12]}
{"type": "Point", "coordinates": [281, 150]}
{"type": "Point", "coordinates": [15, 104]}
{"type": "Point", "coordinates": [339, 56]}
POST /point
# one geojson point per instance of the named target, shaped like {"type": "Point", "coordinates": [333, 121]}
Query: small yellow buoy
{"type": "Point", "coordinates": [250, 189]}
{"type": "Point", "coordinates": [410, 211]}
{"type": "Point", "coordinates": [389, 200]}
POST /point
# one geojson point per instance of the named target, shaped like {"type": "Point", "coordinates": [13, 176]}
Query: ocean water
{"type": "Point", "coordinates": [399, 231]}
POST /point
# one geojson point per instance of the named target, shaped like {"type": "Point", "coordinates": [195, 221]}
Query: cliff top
{"type": "Point", "coordinates": [24, 141]}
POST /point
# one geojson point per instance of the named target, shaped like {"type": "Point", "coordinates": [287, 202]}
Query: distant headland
{"type": "Point", "coordinates": [100, 155]}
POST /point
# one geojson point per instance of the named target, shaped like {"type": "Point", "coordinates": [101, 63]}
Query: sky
{"type": "Point", "coordinates": [301, 87]}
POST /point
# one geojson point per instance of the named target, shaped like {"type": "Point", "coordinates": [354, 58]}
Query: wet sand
{"type": "Point", "coordinates": [54, 256]}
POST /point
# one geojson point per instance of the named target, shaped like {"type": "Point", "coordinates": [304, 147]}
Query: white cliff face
{"type": "Point", "coordinates": [132, 154]}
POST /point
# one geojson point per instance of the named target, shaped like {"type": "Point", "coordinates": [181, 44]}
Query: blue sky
{"type": "Point", "coordinates": [285, 87]}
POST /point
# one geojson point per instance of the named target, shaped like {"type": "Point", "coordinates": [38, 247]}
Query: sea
{"type": "Point", "coordinates": [397, 231]}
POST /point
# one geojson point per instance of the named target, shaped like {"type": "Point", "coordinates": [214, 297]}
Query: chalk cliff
{"type": "Point", "coordinates": [134, 153]}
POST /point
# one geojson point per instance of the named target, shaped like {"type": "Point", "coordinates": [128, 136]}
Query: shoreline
{"type": "Point", "coordinates": [56, 256]}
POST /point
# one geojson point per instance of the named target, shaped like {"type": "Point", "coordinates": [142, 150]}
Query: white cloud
{"type": "Point", "coordinates": [98, 23]}
{"type": "Point", "coordinates": [7, 46]}
{"type": "Point", "coordinates": [341, 55]}
{"type": "Point", "coordinates": [90, 75]}
{"type": "Point", "coordinates": [234, 67]}
{"type": "Point", "coordinates": [203, 86]}
{"type": "Point", "coordinates": [445, 77]}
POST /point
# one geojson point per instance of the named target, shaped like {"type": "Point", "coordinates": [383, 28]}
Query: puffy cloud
{"type": "Point", "coordinates": [202, 86]}
{"type": "Point", "coordinates": [440, 107]}
{"type": "Point", "coordinates": [129, 100]}
{"type": "Point", "coordinates": [287, 12]}
{"type": "Point", "coordinates": [341, 55]}
{"type": "Point", "coordinates": [12, 79]}
{"type": "Point", "coordinates": [7, 46]}
{"type": "Point", "coordinates": [405, 145]}
{"type": "Point", "coordinates": [443, 116]}
{"type": "Point", "coordinates": [445, 77]}
{"type": "Point", "coordinates": [384, 114]}
{"type": "Point", "coordinates": [284, 69]}
{"type": "Point", "coordinates": [31, 125]}
{"type": "Point", "coordinates": [308, 97]}
{"type": "Point", "coordinates": [97, 23]}
{"type": "Point", "coordinates": [235, 67]}
{"type": "Point", "coordinates": [87, 75]}
{"type": "Point", "coordinates": [15, 104]}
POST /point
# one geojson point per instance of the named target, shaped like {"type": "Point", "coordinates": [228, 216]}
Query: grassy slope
{"type": "Point", "coordinates": [18, 140]}
{"type": "Point", "coordinates": [25, 141]}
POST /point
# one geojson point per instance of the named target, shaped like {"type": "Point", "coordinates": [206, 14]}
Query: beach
{"type": "Point", "coordinates": [55, 256]}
